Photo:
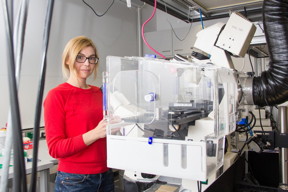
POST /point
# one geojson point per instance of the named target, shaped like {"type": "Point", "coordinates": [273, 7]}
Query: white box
{"type": "Point", "coordinates": [237, 35]}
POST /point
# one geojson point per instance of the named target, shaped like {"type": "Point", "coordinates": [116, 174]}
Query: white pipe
{"type": "Point", "coordinates": [140, 43]}
{"type": "Point", "coordinates": [128, 3]}
{"type": "Point", "coordinates": [18, 39]}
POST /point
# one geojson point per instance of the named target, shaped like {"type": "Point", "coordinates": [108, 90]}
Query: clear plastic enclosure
{"type": "Point", "coordinates": [166, 117]}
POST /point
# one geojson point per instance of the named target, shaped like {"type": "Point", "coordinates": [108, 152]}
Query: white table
{"type": "Point", "coordinates": [43, 166]}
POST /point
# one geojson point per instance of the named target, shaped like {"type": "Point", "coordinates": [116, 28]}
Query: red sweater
{"type": "Point", "coordinates": [69, 112]}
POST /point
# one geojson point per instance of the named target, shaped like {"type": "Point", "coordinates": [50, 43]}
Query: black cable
{"type": "Point", "coordinates": [252, 119]}
{"type": "Point", "coordinates": [241, 128]}
{"type": "Point", "coordinates": [242, 148]}
{"type": "Point", "coordinates": [247, 130]}
{"type": "Point", "coordinates": [18, 40]}
{"type": "Point", "coordinates": [247, 136]}
{"type": "Point", "coordinates": [129, 131]}
{"type": "Point", "coordinates": [36, 132]}
{"type": "Point", "coordinates": [255, 181]}
{"type": "Point", "coordinates": [140, 127]}
{"type": "Point", "coordinates": [136, 124]}
{"type": "Point", "coordinates": [260, 120]}
{"type": "Point", "coordinates": [261, 27]}
{"type": "Point", "coordinates": [190, 27]}
{"type": "Point", "coordinates": [252, 68]}
{"type": "Point", "coordinates": [19, 181]}
{"type": "Point", "coordinates": [180, 39]}
{"type": "Point", "coordinates": [99, 15]}
{"type": "Point", "coordinates": [245, 12]}
{"type": "Point", "coordinates": [272, 120]}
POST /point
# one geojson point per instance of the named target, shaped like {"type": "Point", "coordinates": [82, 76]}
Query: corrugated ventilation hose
{"type": "Point", "coordinates": [271, 88]}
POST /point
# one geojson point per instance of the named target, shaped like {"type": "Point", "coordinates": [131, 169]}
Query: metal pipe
{"type": "Point", "coordinates": [283, 153]}
{"type": "Point", "coordinates": [140, 46]}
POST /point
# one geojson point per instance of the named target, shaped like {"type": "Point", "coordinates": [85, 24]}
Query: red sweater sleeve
{"type": "Point", "coordinates": [54, 116]}
{"type": "Point", "coordinates": [69, 112]}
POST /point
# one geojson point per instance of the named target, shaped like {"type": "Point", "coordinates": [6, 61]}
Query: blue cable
{"type": "Point", "coordinates": [201, 18]}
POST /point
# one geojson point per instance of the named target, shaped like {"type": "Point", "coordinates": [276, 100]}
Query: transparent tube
{"type": "Point", "coordinates": [104, 91]}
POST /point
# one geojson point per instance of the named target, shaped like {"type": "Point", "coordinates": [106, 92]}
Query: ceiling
{"type": "Point", "coordinates": [209, 9]}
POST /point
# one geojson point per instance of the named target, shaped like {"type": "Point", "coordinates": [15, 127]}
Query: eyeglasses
{"type": "Point", "coordinates": [91, 59]}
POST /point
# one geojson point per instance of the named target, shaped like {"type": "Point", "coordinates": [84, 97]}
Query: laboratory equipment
{"type": "Point", "coordinates": [174, 116]}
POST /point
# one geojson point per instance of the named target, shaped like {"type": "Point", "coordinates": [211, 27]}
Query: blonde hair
{"type": "Point", "coordinates": [71, 50]}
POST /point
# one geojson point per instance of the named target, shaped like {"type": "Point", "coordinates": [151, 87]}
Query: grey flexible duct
{"type": "Point", "coordinates": [19, 164]}
{"type": "Point", "coordinates": [19, 34]}
{"type": "Point", "coordinates": [271, 88]}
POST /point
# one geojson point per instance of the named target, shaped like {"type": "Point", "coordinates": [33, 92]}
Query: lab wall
{"type": "Point", "coordinates": [115, 33]}
{"type": "Point", "coordinates": [169, 36]}
{"type": "Point", "coordinates": [163, 21]}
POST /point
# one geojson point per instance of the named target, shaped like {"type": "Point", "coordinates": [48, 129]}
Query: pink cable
{"type": "Point", "coordinates": [142, 30]}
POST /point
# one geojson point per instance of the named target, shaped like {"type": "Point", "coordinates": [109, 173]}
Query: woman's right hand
{"type": "Point", "coordinates": [97, 133]}
{"type": "Point", "coordinates": [100, 130]}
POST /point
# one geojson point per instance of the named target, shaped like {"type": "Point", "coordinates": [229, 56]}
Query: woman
{"type": "Point", "coordinates": [74, 125]}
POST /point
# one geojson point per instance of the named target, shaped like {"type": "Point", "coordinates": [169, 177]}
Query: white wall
{"type": "Point", "coordinates": [160, 25]}
{"type": "Point", "coordinates": [169, 35]}
{"type": "Point", "coordinates": [161, 20]}
{"type": "Point", "coordinates": [114, 34]}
